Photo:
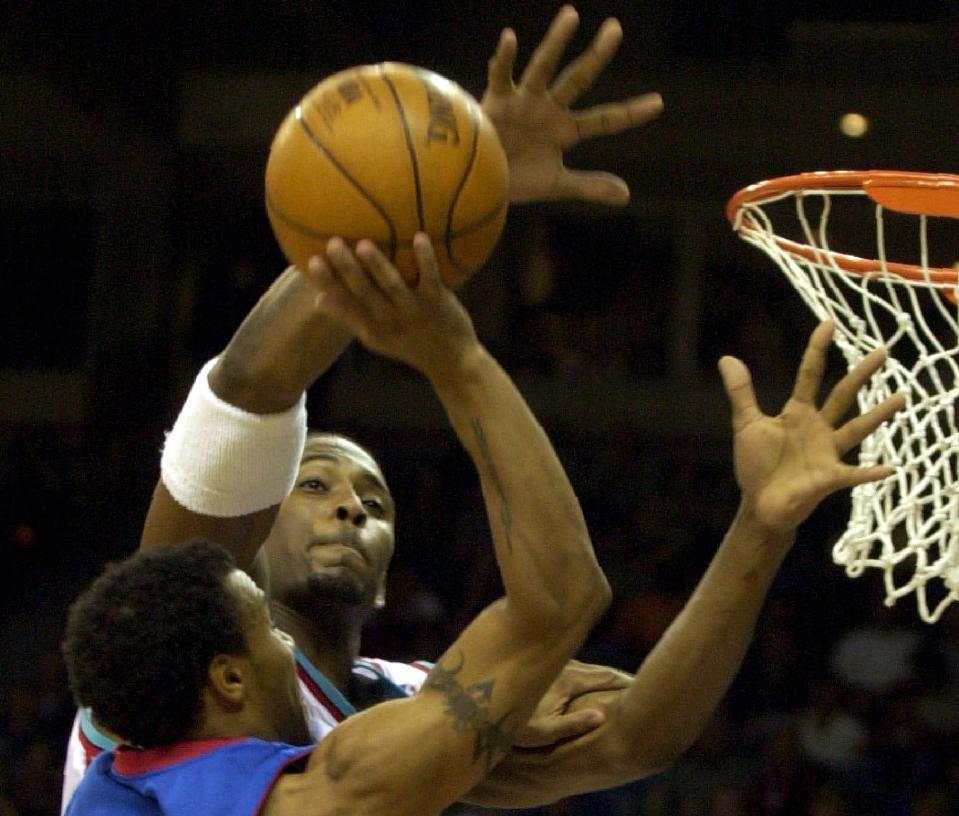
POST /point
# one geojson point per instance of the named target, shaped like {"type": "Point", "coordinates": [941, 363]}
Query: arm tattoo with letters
{"type": "Point", "coordinates": [469, 708]}
{"type": "Point", "coordinates": [505, 513]}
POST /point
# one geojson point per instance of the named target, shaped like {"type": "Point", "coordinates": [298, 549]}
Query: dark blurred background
{"type": "Point", "coordinates": [133, 238]}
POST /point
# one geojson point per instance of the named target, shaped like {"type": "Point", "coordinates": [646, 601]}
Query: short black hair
{"type": "Point", "coordinates": [140, 639]}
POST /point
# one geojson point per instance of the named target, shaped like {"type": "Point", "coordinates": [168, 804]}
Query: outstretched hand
{"type": "Point", "coordinates": [422, 324]}
{"type": "Point", "coordinates": [787, 464]}
{"type": "Point", "coordinates": [534, 120]}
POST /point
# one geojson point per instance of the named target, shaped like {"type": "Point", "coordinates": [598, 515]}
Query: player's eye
{"type": "Point", "coordinates": [375, 505]}
{"type": "Point", "coordinates": [313, 485]}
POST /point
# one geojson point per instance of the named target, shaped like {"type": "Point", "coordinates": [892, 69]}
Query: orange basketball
{"type": "Point", "coordinates": [382, 152]}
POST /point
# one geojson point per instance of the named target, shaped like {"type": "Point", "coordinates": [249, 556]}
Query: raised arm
{"type": "Point", "coordinates": [785, 465]}
{"type": "Point", "coordinates": [278, 351]}
{"type": "Point", "coordinates": [284, 345]}
{"type": "Point", "coordinates": [420, 754]}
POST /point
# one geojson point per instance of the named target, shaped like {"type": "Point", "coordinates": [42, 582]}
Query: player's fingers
{"type": "Point", "coordinates": [578, 77]}
{"type": "Point", "coordinates": [347, 269]}
{"type": "Point", "coordinates": [550, 730]}
{"type": "Point", "coordinates": [543, 62]}
{"type": "Point", "coordinates": [601, 187]}
{"type": "Point", "coordinates": [429, 282]}
{"type": "Point", "coordinates": [739, 389]}
{"type": "Point", "coordinates": [813, 364]}
{"type": "Point", "coordinates": [499, 74]}
{"type": "Point", "coordinates": [316, 271]}
{"type": "Point", "coordinates": [843, 395]}
{"type": "Point", "coordinates": [387, 277]}
{"type": "Point", "coordinates": [580, 678]}
{"type": "Point", "coordinates": [605, 120]}
{"type": "Point", "coordinates": [858, 428]}
{"type": "Point", "coordinates": [317, 274]}
{"type": "Point", "coordinates": [332, 298]}
{"type": "Point", "coordinates": [321, 276]}
{"type": "Point", "coordinates": [854, 476]}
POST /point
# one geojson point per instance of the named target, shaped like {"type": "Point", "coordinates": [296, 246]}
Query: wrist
{"type": "Point", "coordinates": [459, 367]}
{"type": "Point", "coordinates": [769, 539]}
{"type": "Point", "coordinates": [259, 392]}
{"type": "Point", "coordinates": [279, 349]}
{"type": "Point", "coordinates": [223, 461]}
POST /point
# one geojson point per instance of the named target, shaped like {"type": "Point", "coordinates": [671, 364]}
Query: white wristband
{"type": "Point", "coordinates": [220, 460]}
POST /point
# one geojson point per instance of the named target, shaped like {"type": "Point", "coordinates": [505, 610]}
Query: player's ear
{"type": "Point", "coordinates": [228, 677]}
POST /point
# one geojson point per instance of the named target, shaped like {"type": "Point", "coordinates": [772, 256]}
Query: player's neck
{"type": "Point", "coordinates": [221, 721]}
{"type": "Point", "coordinates": [330, 641]}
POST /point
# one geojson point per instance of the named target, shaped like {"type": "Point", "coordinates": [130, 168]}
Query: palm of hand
{"type": "Point", "coordinates": [786, 465]}
{"type": "Point", "coordinates": [535, 121]}
{"type": "Point", "coordinates": [533, 130]}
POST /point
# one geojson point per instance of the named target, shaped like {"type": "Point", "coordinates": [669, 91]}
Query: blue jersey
{"type": "Point", "coordinates": [373, 681]}
{"type": "Point", "coordinates": [227, 777]}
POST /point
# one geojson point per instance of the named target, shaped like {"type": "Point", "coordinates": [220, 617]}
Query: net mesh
{"type": "Point", "coordinates": [888, 291]}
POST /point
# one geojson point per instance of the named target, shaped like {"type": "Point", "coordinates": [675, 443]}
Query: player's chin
{"type": "Point", "coordinates": [337, 585]}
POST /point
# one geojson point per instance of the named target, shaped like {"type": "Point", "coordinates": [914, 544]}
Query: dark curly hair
{"type": "Point", "coordinates": [140, 639]}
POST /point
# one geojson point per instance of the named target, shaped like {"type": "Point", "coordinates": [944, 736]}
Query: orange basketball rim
{"type": "Point", "coordinates": [906, 525]}
{"type": "Point", "coordinates": [931, 194]}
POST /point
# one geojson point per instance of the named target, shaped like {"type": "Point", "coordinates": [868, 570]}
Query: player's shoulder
{"type": "Point", "coordinates": [98, 792]}
{"type": "Point", "coordinates": [188, 778]}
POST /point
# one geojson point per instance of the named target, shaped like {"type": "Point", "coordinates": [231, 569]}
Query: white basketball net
{"type": "Point", "coordinates": [906, 525]}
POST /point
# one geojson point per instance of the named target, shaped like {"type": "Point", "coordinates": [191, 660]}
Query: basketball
{"type": "Point", "coordinates": [382, 152]}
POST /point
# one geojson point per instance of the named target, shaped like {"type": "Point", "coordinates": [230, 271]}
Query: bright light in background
{"type": "Point", "coordinates": [853, 125]}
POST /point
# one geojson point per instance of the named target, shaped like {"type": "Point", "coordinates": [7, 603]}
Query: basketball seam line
{"type": "Point", "coordinates": [410, 149]}
{"type": "Point", "coordinates": [474, 121]}
{"type": "Point", "coordinates": [479, 222]}
{"type": "Point", "coordinates": [346, 174]}
{"type": "Point", "coordinates": [369, 89]}
{"type": "Point", "coordinates": [399, 243]}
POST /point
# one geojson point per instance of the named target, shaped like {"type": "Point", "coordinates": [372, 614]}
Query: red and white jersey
{"type": "Point", "coordinates": [373, 681]}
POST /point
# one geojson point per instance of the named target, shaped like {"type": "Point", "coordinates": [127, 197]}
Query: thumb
{"type": "Point", "coordinates": [596, 186]}
{"type": "Point", "coordinates": [739, 388]}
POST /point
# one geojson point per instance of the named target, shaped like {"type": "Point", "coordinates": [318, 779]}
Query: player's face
{"type": "Point", "coordinates": [333, 537]}
{"type": "Point", "coordinates": [273, 692]}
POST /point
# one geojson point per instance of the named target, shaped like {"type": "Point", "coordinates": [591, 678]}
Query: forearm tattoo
{"type": "Point", "coordinates": [469, 708]}
{"type": "Point", "coordinates": [505, 513]}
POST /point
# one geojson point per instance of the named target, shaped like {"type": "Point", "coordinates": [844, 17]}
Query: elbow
{"type": "Point", "coordinates": [571, 592]}
{"type": "Point", "coordinates": [565, 614]}
{"type": "Point", "coordinates": [584, 591]}
{"type": "Point", "coordinates": [581, 605]}
{"type": "Point", "coordinates": [603, 596]}
{"type": "Point", "coordinates": [593, 596]}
